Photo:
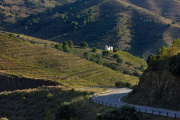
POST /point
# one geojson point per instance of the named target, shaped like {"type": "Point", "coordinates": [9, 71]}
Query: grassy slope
{"type": "Point", "coordinates": [134, 66]}
{"type": "Point", "coordinates": [34, 61]}
{"type": "Point", "coordinates": [135, 63]}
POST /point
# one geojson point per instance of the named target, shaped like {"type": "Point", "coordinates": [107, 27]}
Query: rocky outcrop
{"type": "Point", "coordinates": [12, 82]}
{"type": "Point", "coordinates": [157, 88]}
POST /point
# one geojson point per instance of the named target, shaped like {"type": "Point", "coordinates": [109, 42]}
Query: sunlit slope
{"type": "Point", "coordinates": [23, 58]}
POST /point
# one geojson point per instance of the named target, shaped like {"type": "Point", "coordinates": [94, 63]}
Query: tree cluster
{"type": "Point", "coordinates": [66, 46]}
{"type": "Point", "coordinates": [166, 55]}
{"type": "Point", "coordinates": [122, 84]}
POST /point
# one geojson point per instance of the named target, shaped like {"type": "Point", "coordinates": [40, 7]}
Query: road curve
{"type": "Point", "coordinates": [113, 99]}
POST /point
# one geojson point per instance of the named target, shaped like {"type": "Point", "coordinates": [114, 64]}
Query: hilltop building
{"type": "Point", "coordinates": [108, 47]}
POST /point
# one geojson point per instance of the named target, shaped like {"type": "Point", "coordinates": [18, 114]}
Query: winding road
{"type": "Point", "coordinates": [113, 99]}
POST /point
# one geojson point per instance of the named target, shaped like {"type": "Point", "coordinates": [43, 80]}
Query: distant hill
{"type": "Point", "coordinates": [128, 25]}
{"type": "Point", "coordinates": [166, 8]}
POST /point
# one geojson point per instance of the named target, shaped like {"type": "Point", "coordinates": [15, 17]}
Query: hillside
{"type": "Point", "coordinates": [33, 61]}
{"type": "Point", "coordinates": [159, 84]}
{"type": "Point", "coordinates": [131, 27]}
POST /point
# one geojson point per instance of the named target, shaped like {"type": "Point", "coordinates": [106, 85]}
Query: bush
{"type": "Point", "coordinates": [58, 46]}
{"type": "Point", "coordinates": [136, 74]}
{"type": "Point", "coordinates": [94, 49]}
{"type": "Point", "coordinates": [128, 63]}
{"type": "Point", "coordinates": [49, 96]}
{"type": "Point", "coordinates": [92, 59]}
{"type": "Point", "coordinates": [73, 90]}
{"type": "Point", "coordinates": [127, 72]}
{"type": "Point", "coordinates": [12, 35]}
{"type": "Point", "coordinates": [86, 55]}
{"type": "Point", "coordinates": [100, 62]}
{"type": "Point", "coordinates": [116, 56]}
{"type": "Point", "coordinates": [67, 49]}
{"type": "Point", "coordinates": [120, 83]}
{"type": "Point", "coordinates": [84, 45]}
{"type": "Point", "coordinates": [87, 96]}
{"type": "Point", "coordinates": [124, 112]}
{"type": "Point", "coordinates": [119, 61]}
{"type": "Point", "coordinates": [65, 111]}
{"type": "Point", "coordinates": [127, 84]}
{"type": "Point", "coordinates": [106, 53]}
{"type": "Point", "coordinates": [70, 44]}
{"type": "Point", "coordinates": [116, 68]}
{"type": "Point", "coordinates": [153, 62]}
{"type": "Point", "coordinates": [115, 50]}
{"type": "Point", "coordinates": [174, 65]}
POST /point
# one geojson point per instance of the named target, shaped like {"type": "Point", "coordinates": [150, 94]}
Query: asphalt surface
{"type": "Point", "coordinates": [113, 99]}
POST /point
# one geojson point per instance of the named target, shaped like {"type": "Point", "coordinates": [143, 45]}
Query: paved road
{"type": "Point", "coordinates": [113, 99]}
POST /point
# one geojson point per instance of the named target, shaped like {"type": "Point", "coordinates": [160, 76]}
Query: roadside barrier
{"type": "Point", "coordinates": [138, 109]}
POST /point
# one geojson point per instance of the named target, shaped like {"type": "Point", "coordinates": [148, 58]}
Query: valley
{"type": "Point", "coordinates": [52, 56]}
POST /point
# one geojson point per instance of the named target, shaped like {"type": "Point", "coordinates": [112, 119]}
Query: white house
{"type": "Point", "coordinates": [108, 47]}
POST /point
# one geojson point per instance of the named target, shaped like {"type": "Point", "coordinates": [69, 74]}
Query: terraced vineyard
{"type": "Point", "coordinates": [34, 61]}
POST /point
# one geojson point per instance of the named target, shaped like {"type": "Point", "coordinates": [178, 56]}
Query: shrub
{"type": "Point", "coordinates": [106, 53]}
{"type": "Point", "coordinates": [174, 65]}
{"type": "Point", "coordinates": [119, 61]}
{"type": "Point", "coordinates": [87, 96]}
{"type": "Point", "coordinates": [120, 83]}
{"type": "Point", "coordinates": [58, 46]}
{"type": "Point", "coordinates": [136, 74]}
{"type": "Point", "coordinates": [115, 50]}
{"type": "Point", "coordinates": [100, 62]}
{"type": "Point", "coordinates": [84, 45]}
{"type": "Point", "coordinates": [33, 42]}
{"type": "Point", "coordinates": [94, 49]}
{"type": "Point", "coordinates": [99, 56]}
{"type": "Point", "coordinates": [116, 56]}
{"type": "Point", "coordinates": [92, 59]}
{"type": "Point", "coordinates": [70, 44]}
{"type": "Point", "coordinates": [67, 49]}
{"type": "Point", "coordinates": [65, 111]}
{"type": "Point", "coordinates": [124, 112]}
{"type": "Point", "coordinates": [73, 90]}
{"type": "Point", "coordinates": [116, 68]}
{"type": "Point", "coordinates": [127, 84]}
{"type": "Point", "coordinates": [153, 62]}
{"type": "Point", "coordinates": [86, 55]}
{"type": "Point", "coordinates": [48, 115]}
{"type": "Point", "coordinates": [12, 35]}
{"type": "Point", "coordinates": [127, 72]}
{"type": "Point", "coordinates": [128, 63]}
{"type": "Point", "coordinates": [49, 95]}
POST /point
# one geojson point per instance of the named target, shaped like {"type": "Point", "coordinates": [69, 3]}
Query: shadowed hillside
{"type": "Point", "coordinates": [166, 8]}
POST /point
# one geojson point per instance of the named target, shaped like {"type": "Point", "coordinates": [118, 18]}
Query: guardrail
{"type": "Point", "coordinates": [138, 109]}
